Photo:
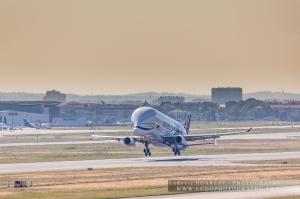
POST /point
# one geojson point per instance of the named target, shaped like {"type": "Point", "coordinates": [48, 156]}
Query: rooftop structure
{"type": "Point", "coordinates": [223, 95]}
{"type": "Point", "coordinates": [55, 96]}
{"type": "Point", "coordinates": [170, 99]}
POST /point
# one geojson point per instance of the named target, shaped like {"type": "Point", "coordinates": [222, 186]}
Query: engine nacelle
{"type": "Point", "coordinates": [179, 140]}
{"type": "Point", "coordinates": [129, 141]}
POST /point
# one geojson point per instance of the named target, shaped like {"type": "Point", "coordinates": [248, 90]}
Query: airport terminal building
{"type": "Point", "coordinates": [79, 114]}
{"type": "Point", "coordinates": [14, 112]}
{"type": "Point", "coordinates": [72, 114]}
{"type": "Point", "coordinates": [16, 118]}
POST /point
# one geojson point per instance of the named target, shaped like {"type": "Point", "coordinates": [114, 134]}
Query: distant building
{"type": "Point", "coordinates": [132, 102]}
{"type": "Point", "coordinates": [16, 118]}
{"type": "Point", "coordinates": [223, 95]}
{"type": "Point", "coordinates": [79, 114]}
{"type": "Point", "coordinates": [170, 99]}
{"type": "Point", "coordinates": [288, 112]}
{"type": "Point", "coordinates": [55, 96]}
{"type": "Point", "coordinates": [39, 107]}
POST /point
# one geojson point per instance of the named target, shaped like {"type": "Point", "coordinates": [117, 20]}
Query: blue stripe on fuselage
{"type": "Point", "coordinates": [143, 128]}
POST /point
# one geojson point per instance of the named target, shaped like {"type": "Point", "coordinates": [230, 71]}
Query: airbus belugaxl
{"type": "Point", "coordinates": [156, 128]}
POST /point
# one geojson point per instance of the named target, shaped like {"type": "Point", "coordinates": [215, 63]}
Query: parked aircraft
{"type": "Point", "coordinates": [4, 127]}
{"type": "Point", "coordinates": [37, 125]}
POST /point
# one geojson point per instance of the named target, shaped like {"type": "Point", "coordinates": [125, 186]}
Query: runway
{"type": "Point", "coordinates": [98, 140]}
{"type": "Point", "coordinates": [56, 131]}
{"type": "Point", "coordinates": [250, 194]}
{"type": "Point", "coordinates": [54, 143]}
{"type": "Point", "coordinates": [197, 160]}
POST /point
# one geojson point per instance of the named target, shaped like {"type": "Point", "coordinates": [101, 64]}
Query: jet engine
{"type": "Point", "coordinates": [129, 141]}
{"type": "Point", "coordinates": [179, 139]}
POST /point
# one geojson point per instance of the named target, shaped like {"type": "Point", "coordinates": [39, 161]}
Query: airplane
{"type": "Point", "coordinates": [37, 125]}
{"type": "Point", "coordinates": [153, 127]}
{"type": "Point", "coordinates": [4, 127]}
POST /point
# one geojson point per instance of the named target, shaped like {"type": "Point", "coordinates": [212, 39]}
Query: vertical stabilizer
{"type": "Point", "coordinates": [187, 124]}
{"type": "Point", "coordinates": [28, 124]}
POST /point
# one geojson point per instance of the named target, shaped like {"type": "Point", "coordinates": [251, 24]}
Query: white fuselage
{"type": "Point", "coordinates": [151, 123]}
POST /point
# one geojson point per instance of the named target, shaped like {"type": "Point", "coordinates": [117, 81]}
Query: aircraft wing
{"type": "Point", "coordinates": [213, 136]}
{"type": "Point", "coordinates": [171, 139]}
{"type": "Point", "coordinates": [119, 138]}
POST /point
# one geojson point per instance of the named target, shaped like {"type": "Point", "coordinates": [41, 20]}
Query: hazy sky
{"type": "Point", "coordinates": [127, 46]}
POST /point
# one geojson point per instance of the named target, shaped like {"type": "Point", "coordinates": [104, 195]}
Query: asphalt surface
{"type": "Point", "coordinates": [54, 143]}
{"type": "Point", "coordinates": [58, 131]}
{"type": "Point", "coordinates": [96, 139]}
{"type": "Point", "coordinates": [94, 133]}
{"type": "Point", "coordinates": [196, 160]}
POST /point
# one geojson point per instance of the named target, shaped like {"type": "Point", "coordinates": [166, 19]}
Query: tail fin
{"type": "Point", "coordinates": [28, 124]}
{"type": "Point", "coordinates": [187, 124]}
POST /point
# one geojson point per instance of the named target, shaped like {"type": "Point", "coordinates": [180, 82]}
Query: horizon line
{"type": "Point", "coordinates": [143, 92]}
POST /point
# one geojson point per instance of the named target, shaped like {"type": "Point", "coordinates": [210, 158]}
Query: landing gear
{"type": "Point", "coordinates": [147, 151]}
{"type": "Point", "coordinates": [176, 151]}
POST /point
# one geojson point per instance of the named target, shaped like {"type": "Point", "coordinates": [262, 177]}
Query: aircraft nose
{"type": "Point", "coordinates": [142, 114]}
{"type": "Point", "coordinates": [142, 120]}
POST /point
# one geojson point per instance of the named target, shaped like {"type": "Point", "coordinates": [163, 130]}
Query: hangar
{"type": "Point", "coordinates": [16, 118]}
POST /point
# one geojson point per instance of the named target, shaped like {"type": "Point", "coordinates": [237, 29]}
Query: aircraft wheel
{"type": "Point", "coordinates": [176, 152]}
{"type": "Point", "coordinates": [147, 152]}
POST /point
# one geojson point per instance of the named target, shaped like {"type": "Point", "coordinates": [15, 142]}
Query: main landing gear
{"type": "Point", "coordinates": [176, 151]}
{"type": "Point", "coordinates": [147, 151]}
